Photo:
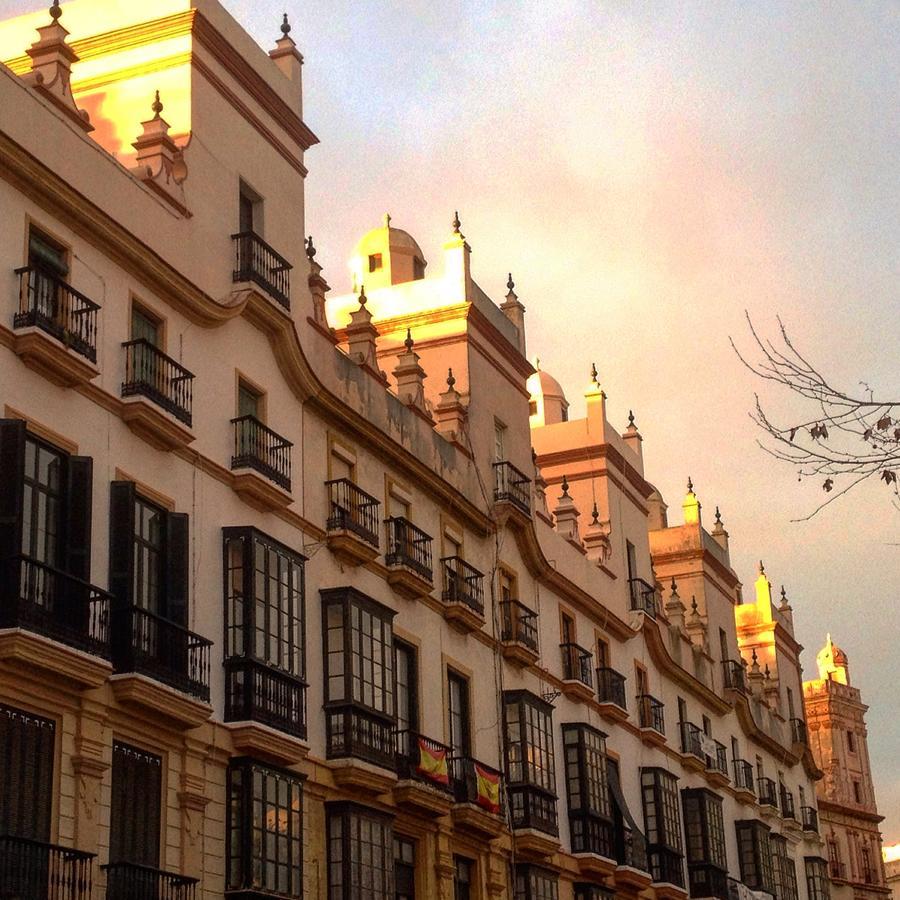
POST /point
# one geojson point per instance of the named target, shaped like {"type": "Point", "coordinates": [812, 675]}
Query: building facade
{"type": "Point", "coordinates": [327, 597]}
{"type": "Point", "coordinates": [848, 812]}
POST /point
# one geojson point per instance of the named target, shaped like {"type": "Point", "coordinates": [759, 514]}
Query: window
{"type": "Point", "coordinates": [587, 790]}
{"type": "Point", "coordinates": [790, 703]}
{"type": "Point", "coordinates": [145, 326]}
{"type": "Point", "coordinates": [783, 869]}
{"type": "Point", "coordinates": [755, 855]}
{"type": "Point", "coordinates": [265, 829]}
{"type": "Point", "coordinates": [704, 832]}
{"type": "Point", "coordinates": [593, 892]}
{"type": "Point", "coordinates": [535, 883]}
{"type": "Point", "coordinates": [134, 818]}
{"type": "Point", "coordinates": [46, 253]}
{"type": "Point", "coordinates": [499, 441]}
{"type": "Point", "coordinates": [459, 732]}
{"type": "Point", "coordinates": [631, 559]}
{"type": "Point", "coordinates": [359, 684]}
{"type": "Point", "coordinates": [603, 658]}
{"type": "Point", "coordinates": [507, 586]}
{"type": "Point", "coordinates": [265, 658]}
{"type": "Point", "coordinates": [662, 825]}
{"type": "Point", "coordinates": [529, 761]}
{"type": "Point", "coordinates": [249, 210]}
{"type": "Point", "coordinates": [418, 268]}
{"type": "Point", "coordinates": [857, 791]}
{"type": "Point", "coordinates": [463, 878]}
{"type": "Point", "coordinates": [816, 878]}
{"type": "Point", "coordinates": [851, 742]}
{"type": "Point", "coordinates": [250, 401]}
{"type": "Point", "coordinates": [407, 687]}
{"type": "Point", "coordinates": [404, 869]}
{"type": "Point", "coordinates": [26, 774]}
{"type": "Point", "coordinates": [532, 407]}
{"type": "Point", "coordinates": [360, 853]}
{"type": "Point", "coordinates": [723, 645]}
{"type": "Point", "coordinates": [374, 262]}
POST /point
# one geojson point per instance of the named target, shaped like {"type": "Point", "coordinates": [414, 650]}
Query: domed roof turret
{"type": "Point", "coordinates": [548, 399]}
{"type": "Point", "coordinates": [387, 255]}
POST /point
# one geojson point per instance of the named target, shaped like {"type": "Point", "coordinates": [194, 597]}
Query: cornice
{"type": "Point", "coordinates": [599, 451]}
{"type": "Point", "coordinates": [850, 812]}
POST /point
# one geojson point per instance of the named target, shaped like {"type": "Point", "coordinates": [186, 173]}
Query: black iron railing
{"type": "Point", "coordinates": [577, 664]}
{"type": "Point", "coordinates": [798, 731]}
{"type": "Point", "coordinates": [734, 676]}
{"type": "Point", "coordinates": [518, 624]}
{"type": "Point", "coordinates": [33, 870]}
{"type": "Point", "coordinates": [47, 601]}
{"type": "Point", "coordinates": [256, 261]}
{"type": "Point", "coordinates": [766, 791]}
{"type": "Point", "coordinates": [421, 758]}
{"type": "Point", "coordinates": [690, 740]}
{"type": "Point", "coordinates": [464, 774]}
{"type": "Point", "coordinates": [353, 510]}
{"type": "Point", "coordinates": [611, 687]}
{"type": "Point", "coordinates": [130, 881]}
{"type": "Point", "coordinates": [743, 776]}
{"type": "Point", "coordinates": [787, 803]}
{"type": "Point", "coordinates": [512, 486]}
{"type": "Point", "coordinates": [644, 596]}
{"type": "Point", "coordinates": [165, 651]}
{"type": "Point", "coordinates": [651, 713]}
{"type": "Point", "coordinates": [408, 546]}
{"type": "Point", "coordinates": [255, 692]}
{"type": "Point", "coordinates": [533, 807]}
{"type": "Point", "coordinates": [809, 817]}
{"type": "Point", "coordinates": [719, 761]}
{"type": "Point", "coordinates": [463, 584]}
{"type": "Point", "coordinates": [353, 732]}
{"type": "Point", "coordinates": [150, 373]}
{"type": "Point", "coordinates": [48, 303]}
{"type": "Point", "coordinates": [258, 447]}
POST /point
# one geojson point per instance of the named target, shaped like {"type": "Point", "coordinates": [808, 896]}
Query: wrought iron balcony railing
{"type": "Point", "coordinates": [463, 584]}
{"type": "Point", "coordinates": [766, 791]}
{"type": "Point", "coordinates": [256, 692]}
{"type": "Point", "coordinates": [256, 261]}
{"type": "Point", "coordinates": [651, 713]}
{"type": "Point", "coordinates": [130, 881]}
{"type": "Point", "coordinates": [644, 596]}
{"type": "Point", "coordinates": [148, 644]}
{"type": "Point", "coordinates": [47, 601]}
{"type": "Point", "coordinates": [533, 807]}
{"type": "Point", "coordinates": [352, 509]}
{"type": "Point", "coordinates": [150, 373]}
{"type": "Point", "coordinates": [734, 675]}
{"type": "Point", "coordinates": [611, 687]}
{"type": "Point", "coordinates": [809, 817]}
{"type": "Point", "coordinates": [577, 664]}
{"type": "Point", "coordinates": [352, 732]}
{"type": "Point", "coordinates": [48, 303]}
{"type": "Point", "coordinates": [798, 731]}
{"type": "Point", "coordinates": [512, 486]}
{"type": "Point", "coordinates": [518, 624]}
{"type": "Point", "coordinates": [787, 803]}
{"type": "Point", "coordinates": [33, 870]}
{"type": "Point", "coordinates": [408, 546]}
{"type": "Point", "coordinates": [690, 740]}
{"type": "Point", "coordinates": [469, 778]}
{"type": "Point", "coordinates": [422, 759]}
{"type": "Point", "coordinates": [743, 776]}
{"type": "Point", "coordinates": [258, 447]}
{"type": "Point", "coordinates": [719, 761]}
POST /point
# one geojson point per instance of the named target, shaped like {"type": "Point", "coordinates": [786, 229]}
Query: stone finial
{"type": "Point", "coordinates": [156, 106]}
{"type": "Point", "coordinates": [515, 312]}
{"type": "Point", "coordinates": [754, 665]}
{"type": "Point", "coordinates": [411, 377]}
{"type": "Point", "coordinates": [450, 414]}
{"type": "Point", "coordinates": [362, 336]}
{"type": "Point", "coordinates": [595, 377]}
{"type": "Point", "coordinates": [761, 569]}
{"type": "Point", "coordinates": [310, 249]}
{"type": "Point", "coordinates": [285, 26]}
{"type": "Point", "coordinates": [596, 538]}
{"type": "Point", "coordinates": [510, 284]}
{"type": "Point", "coordinates": [409, 343]}
{"type": "Point", "coordinates": [565, 486]}
{"type": "Point", "coordinates": [456, 223]}
{"type": "Point", "coordinates": [386, 218]}
{"type": "Point", "coordinates": [595, 515]}
{"type": "Point", "coordinates": [631, 419]}
{"type": "Point", "coordinates": [55, 10]}
{"type": "Point", "coordinates": [718, 516]}
{"type": "Point", "coordinates": [674, 608]}
{"type": "Point", "coordinates": [566, 514]}
{"type": "Point", "coordinates": [363, 299]}
{"type": "Point", "coordinates": [159, 161]}
{"type": "Point", "coordinates": [450, 379]}
{"type": "Point", "coordinates": [673, 588]}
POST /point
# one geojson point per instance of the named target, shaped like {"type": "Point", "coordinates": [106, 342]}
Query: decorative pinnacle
{"type": "Point", "coordinates": [456, 223]}
{"type": "Point", "coordinates": [450, 379]}
{"type": "Point", "coordinates": [310, 249]}
{"type": "Point", "coordinates": [595, 514]}
{"type": "Point", "coordinates": [594, 375]}
{"type": "Point", "coordinates": [565, 486]}
{"type": "Point", "coordinates": [408, 343]}
{"type": "Point", "coordinates": [768, 673]}
{"type": "Point", "coordinates": [754, 656]}
{"type": "Point", "coordinates": [690, 485]}
{"type": "Point", "coordinates": [510, 284]}
{"type": "Point", "coordinates": [674, 589]}
{"type": "Point", "coordinates": [55, 11]}
{"type": "Point", "coordinates": [156, 106]}
{"type": "Point", "coordinates": [363, 299]}
{"type": "Point", "coordinates": [718, 516]}
{"type": "Point", "coordinates": [631, 418]}
{"type": "Point", "coordinates": [784, 599]}
{"type": "Point", "coordinates": [387, 220]}
{"type": "Point", "coordinates": [762, 568]}
{"type": "Point", "coordinates": [285, 26]}
{"type": "Point", "coordinates": [694, 604]}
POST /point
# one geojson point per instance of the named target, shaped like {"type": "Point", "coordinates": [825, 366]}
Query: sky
{"type": "Point", "coordinates": [649, 172]}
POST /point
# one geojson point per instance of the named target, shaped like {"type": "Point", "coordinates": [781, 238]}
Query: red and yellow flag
{"type": "Point", "coordinates": [433, 763]}
{"type": "Point", "coordinates": [488, 784]}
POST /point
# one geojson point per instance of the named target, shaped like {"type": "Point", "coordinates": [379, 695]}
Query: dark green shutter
{"type": "Point", "coordinates": [177, 568]}
{"type": "Point", "coordinates": [134, 826]}
{"type": "Point", "coordinates": [121, 541]}
{"type": "Point", "coordinates": [12, 471]}
{"type": "Point", "coordinates": [78, 517]}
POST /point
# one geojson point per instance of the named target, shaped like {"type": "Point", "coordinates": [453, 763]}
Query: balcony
{"type": "Point", "coordinates": [513, 487]}
{"type": "Point", "coordinates": [256, 262]}
{"type": "Point", "coordinates": [651, 718]}
{"type": "Point", "coordinates": [352, 526]}
{"type": "Point", "coordinates": [130, 881]}
{"type": "Point", "coordinates": [56, 328]}
{"type": "Point", "coordinates": [644, 596]}
{"type": "Point", "coordinates": [666, 867]}
{"type": "Point", "coordinates": [408, 558]}
{"type": "Point", "coordinates": [152, 376]}
{"type": "Point", "coordinates": [364, 742]}
{"type": "Point", "coordinates": [533, 817]}
{"type": "Point", "coordinates": [149, 645]}
{"type": "Point", "coordinates": [423, 766]}
{"type": "Point", "coordinates": [463, 594]}
{"type": "Point", "coordinates": [42, 600]}
{"type": "Point", "coordinates": [518, 633]}
{"type": "Point", "coordinates": [809, 818]}
{"type": "Point", "coordinates": [577, 671]}
{"type": "Point", "coordinates": [33, 870]}
{"type": "Point", "coordinates": [787, 804]}
{"type": "Point", "coordinates": [743, 780]}
{"type": "Point", "coordinates": [611, 694]}
{"type": "Point", "coordinates": [261, 452]}
{"type": "Point", "coordinates": [593, 843]}
{"type": "Point", "coordinates": [476, 797]}
{"type": "Point", "coordinates": [798, 732]}
{"type": "Point", "coordinates": [734, 677]}
{"type": "Point", "coordinates": [717, 765]}
{"type": "Point", "coordinates": [766, 792]}
{"type": "Point", "coordinates": [259, 693]}
{"type": "Point", "coordinates": [691, 745]}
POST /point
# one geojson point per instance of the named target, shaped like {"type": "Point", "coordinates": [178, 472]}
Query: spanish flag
{"type": "Point", "coordinates": [488, 784]}
{"type": "Point", "coordinates": [433, 763]}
